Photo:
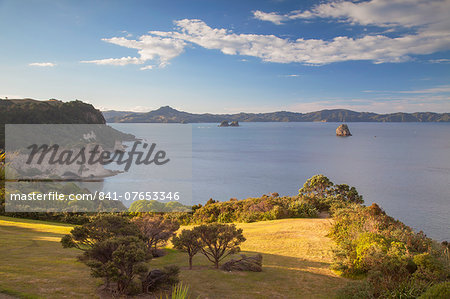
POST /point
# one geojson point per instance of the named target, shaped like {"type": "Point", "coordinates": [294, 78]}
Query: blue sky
{"type": "Point", "coordinates": [229, 56]}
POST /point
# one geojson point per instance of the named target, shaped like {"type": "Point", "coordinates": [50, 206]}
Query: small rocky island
{"type": "Point", "coordinates": [226, 124]}
{"type": "Point", "coordinates": [343, 130]}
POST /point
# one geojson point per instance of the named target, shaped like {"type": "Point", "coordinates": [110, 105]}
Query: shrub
{"type": "Point", "coordinates": [397, 262]}
{"type": "Point", "coordinates": [160, 279]}
{"type": "Point", "coordinates": [437, 291]}
{"type": "Point", "coordinates": [118, 259]}
{"type": "Point", "coordinates": [99, 228]}
{"type": "Point", "coordinates": [429, 268]}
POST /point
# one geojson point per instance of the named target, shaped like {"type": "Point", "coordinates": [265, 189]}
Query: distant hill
{"type": "Point", "coordinates": [167, 114]}
{"type": "Point", "coordinates": [29, 111]}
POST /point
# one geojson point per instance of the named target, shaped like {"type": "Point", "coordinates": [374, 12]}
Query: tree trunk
{"type": "Point", "coordinates": [190, 262]}
{"type": "Point", "coordinates": [217, 264]}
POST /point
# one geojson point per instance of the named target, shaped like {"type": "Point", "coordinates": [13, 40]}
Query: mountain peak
{"type": "Point", "coordinates": [166, 109]}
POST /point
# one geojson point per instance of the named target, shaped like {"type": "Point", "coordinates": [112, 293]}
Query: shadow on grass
{"type": "Point", "coordinates": [282, 277]}
{"type": "Point", "coordinates": [35, 263]}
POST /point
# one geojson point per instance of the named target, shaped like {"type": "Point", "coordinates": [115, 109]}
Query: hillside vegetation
{"type": "Point", "coordinates": [28, 111]}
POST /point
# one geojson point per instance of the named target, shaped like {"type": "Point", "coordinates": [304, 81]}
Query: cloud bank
{"type": "Point", "coordinates": [406, 13]}
{"type": "Point", "coordinates": [428, 21]}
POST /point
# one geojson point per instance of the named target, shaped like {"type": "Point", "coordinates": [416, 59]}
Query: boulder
{"type": "Point", "coordinates": [251, 263]}
{"type": "Point", "coordinates": [343, 130]}
{"type": "Point", "coordinates": [224, 124]}
{"type": "Point", "coordinates": [234, 124]}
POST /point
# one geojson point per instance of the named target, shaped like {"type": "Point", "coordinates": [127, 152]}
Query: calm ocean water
{"type": "Point", "coordinates": [404, 167]}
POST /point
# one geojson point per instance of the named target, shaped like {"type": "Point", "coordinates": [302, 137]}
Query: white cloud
{"type": "Point", "coordinates": [291, 75]}
{"type": "Point", "coordinates": [271, 17]}
{"type": "Point", "coordinates": [378, 48]}
{"type": "Point", "coordinates": [427, 19]}
{"type": "Point", "coordinates": [440, 61]}
{"type": "Point", "coordinates": [407, 13]}
{"type": "Point", "coordinates": [43, 64]}
{"type": "Point", "coordinates": [150, 48]}
{"type": "Point", "coordinates": [116, 61]}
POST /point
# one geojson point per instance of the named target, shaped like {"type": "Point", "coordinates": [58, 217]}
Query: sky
{"type": "Point", "coordinates": [229, 56]}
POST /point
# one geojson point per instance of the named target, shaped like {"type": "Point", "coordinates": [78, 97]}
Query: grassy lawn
{"type": "Point", "coordinates": [296, 259]}
{"type": "Point", "coordinates": [34, 263]}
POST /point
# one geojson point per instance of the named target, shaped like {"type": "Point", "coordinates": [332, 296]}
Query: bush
{"type": "Point", "coordinates": [254, 209]}
{"type": "Point", "coordinates": [160, 279]}
{"type": "Point", "coordinates": [429, 268]}
{"type": "Point", "coordinates": [396, 261]}
{"type": "Point", "coordinates": [437, 291]}
{"type": "Point", "coordinates": [118, 259]}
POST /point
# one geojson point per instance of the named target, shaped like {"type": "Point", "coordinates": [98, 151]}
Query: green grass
{"type": "Point", "coordinates": [33, 263]}
{"type": "Point", "coordinates": [296, 259]}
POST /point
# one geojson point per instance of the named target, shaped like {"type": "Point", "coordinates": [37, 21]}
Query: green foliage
{"type": "Point", "coordinates": [113, 248]}
{"type": "Point", "coordinates": [396, 261]}
{"type": "Point", "coordinates": [219, 240]}
{"type": "Point", "coordinates": [156, 230]}
{"type": "Point", "coordinates": [326, 196]}
{"type": "Point", "coordinates": [179, 291]}
{"type": "Point", "coordinates": [118, 259]}
{"type": "Point", "coordinates": [368, 245]}
{"type": "Point", "coordinates": [254, 209]}
{"type": "Point", "coordinates": [429, 267]}
{"type": "Point", "coordinates": [317, 186]}
{"type": "Point", "coordinates": [100, 228]}
{"type": "Point", "coordinates": [160, 278]}
{"type": "Point", "coordinates": [140, 206]}
{"type": "Point", "coordinates": [188, 241]}
{"type": "Point", "coordinates": [437, 291]}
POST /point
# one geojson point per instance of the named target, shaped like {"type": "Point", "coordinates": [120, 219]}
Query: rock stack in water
{"type": "Point", "coordinates": [343, 130]}
{"type": "Point", "coordinates": [232, 124]}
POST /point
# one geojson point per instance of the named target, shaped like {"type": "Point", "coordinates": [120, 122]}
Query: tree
{"type": "Point", "coordinates": [100, 228]}
{"type": "Point", "coordinates": [187, 241]}
{"type": "Point", "coordinates": [118, 259]}
{"type": "Point", "coordinates": [219, 240]}
{"type": "Point", "coordinates": [317, 186]}
{"type": "Point", "coordinates": [156, 230]}
{"type": "Point", "coordinates": [113, 248]}
{"type": "Point", "coordinates": [345, 193]}
{"type": "Point", "coordinates": [211, 201]}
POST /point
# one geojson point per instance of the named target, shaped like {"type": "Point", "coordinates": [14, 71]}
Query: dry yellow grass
{"type": "Point", "coordinates": [296, 259]}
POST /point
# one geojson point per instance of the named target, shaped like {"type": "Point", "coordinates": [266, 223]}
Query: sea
{"type": "Point", "coordinates": [403, 167]}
